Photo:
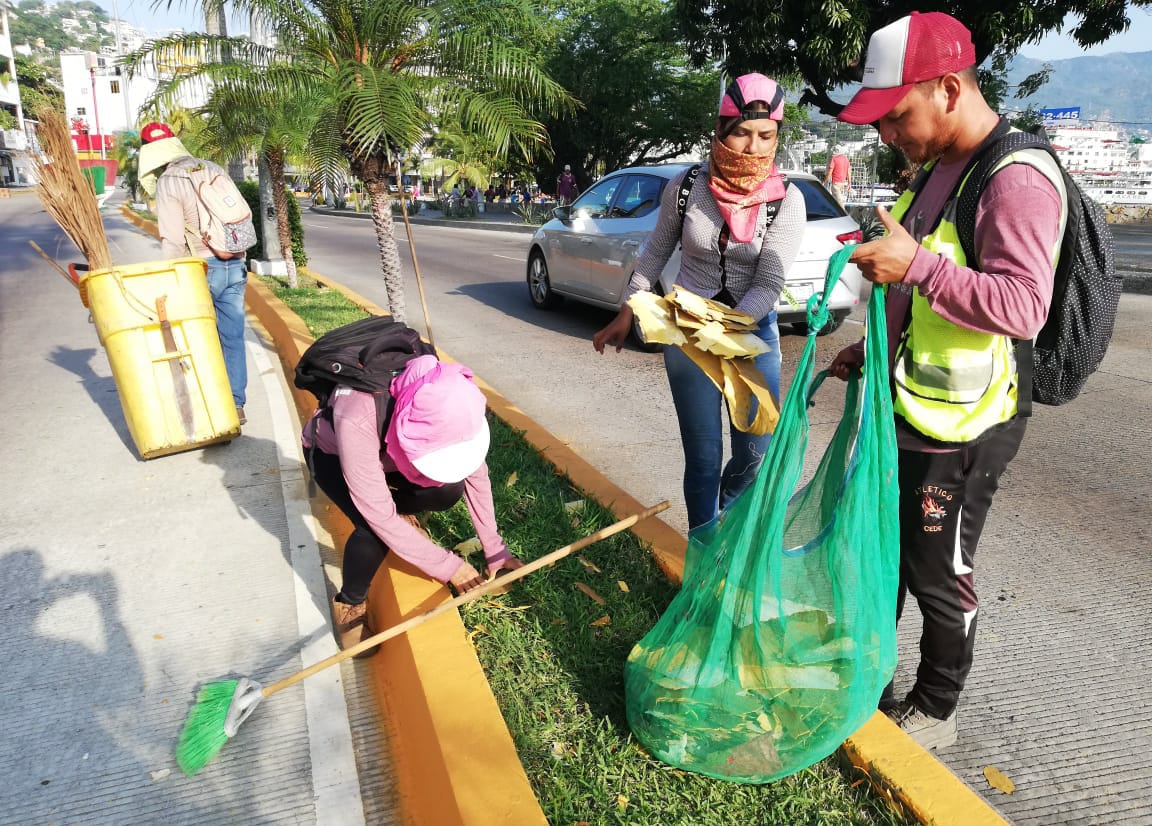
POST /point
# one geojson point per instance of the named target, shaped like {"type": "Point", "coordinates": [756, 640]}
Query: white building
{"type": "Point", "coordinates": [15, 164]}
{"type": "Point", "coordinates": [101, 93]}
{"type": "Point", "coordinates": [1086, 151]}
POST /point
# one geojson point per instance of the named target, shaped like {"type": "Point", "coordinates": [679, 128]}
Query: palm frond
{"type": "Point", "coordinates": [378, 108]}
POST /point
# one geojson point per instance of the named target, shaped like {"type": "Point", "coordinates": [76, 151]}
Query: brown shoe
{"type": "Point", "coordinates": [351, 624]}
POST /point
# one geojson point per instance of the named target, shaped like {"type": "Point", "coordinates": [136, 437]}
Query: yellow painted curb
{"type": "Point", "coordinates": [444, 745]}
{"type": "Point", "coordinates": [909, 776]}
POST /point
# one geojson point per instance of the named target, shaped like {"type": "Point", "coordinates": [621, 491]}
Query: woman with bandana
{"type": "Point", "coordinates": [739, 236]}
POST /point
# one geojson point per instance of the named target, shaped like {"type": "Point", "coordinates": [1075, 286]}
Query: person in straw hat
{"type": "Point", "coordinates": [163, 164]}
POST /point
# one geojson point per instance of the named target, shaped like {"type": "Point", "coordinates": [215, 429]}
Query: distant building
{"type": "Point", "coordinates": [97, 91]}
{"type": "Point", "coordinates": [15, 163]}
{"type": "Point", "coordinates": [1085, 150]}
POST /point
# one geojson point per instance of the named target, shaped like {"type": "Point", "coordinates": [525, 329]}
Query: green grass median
{"type": "Point", "coordinates": [554, 650]}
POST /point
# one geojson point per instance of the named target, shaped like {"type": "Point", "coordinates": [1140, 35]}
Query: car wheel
{"type": "Point", "coordinates": [539, 287]}
{"type": "Point", "coordinates": [834, 324]}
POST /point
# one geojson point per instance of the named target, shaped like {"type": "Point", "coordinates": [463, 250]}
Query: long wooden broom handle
{"type": "Point", "coordinates": [59, 269]}
{"type": "Point", "coordinates": [465, 598]}
{"type": "Point", "coordinates": [412, 250]}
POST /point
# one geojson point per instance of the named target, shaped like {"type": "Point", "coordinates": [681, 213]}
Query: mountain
{"type": "Point", "coordinates": [1112, 87]}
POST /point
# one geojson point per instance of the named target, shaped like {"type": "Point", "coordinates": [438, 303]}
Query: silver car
{"type": "Point", "coordinates": [588, 251]}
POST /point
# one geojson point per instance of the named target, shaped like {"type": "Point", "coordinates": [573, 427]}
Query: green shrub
{"type": "Point", "coordinates": [413, 207]}
{"type": "Point", "coordinates": [251, 192]}
{"type": "Point", "coordinates": [534, 213]}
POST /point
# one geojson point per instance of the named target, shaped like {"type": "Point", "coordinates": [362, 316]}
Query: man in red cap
{"type": "Point", "coordinates": [951, 330]}
{"type": "Point", "coordinates": [164, 166]}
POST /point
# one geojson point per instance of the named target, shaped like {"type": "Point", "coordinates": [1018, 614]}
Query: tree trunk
{"type": "Point", "coordinates": [267, 217]}
{"type": "Point", "coordinates": [386, 242]}
{"type": "Point", "coordinates": [280, 205]}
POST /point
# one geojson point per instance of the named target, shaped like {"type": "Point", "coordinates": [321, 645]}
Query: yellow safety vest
{"type": "Point", "coordinates": [952, 383]}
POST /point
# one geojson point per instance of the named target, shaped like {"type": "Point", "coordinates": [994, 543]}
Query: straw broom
{"type": "Point", "coordinates": [66, 193]}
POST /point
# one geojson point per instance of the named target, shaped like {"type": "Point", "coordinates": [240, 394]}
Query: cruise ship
{"type": "Point", "coordinates": [1109, 168]}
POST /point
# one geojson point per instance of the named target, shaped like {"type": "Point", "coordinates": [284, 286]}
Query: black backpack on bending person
{"type": "Point", "coordinates": [364, 355]}
{"type": "Point", "coordinates": [1086, 290]}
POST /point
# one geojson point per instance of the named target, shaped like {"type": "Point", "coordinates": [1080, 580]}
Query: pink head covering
{"type": "Point", "coordinates": [747, 89]}
{"type": "Point", "coordinates": [438, 433]}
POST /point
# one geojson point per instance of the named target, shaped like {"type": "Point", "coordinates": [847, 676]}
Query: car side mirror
{"type": "Point", "coordinates": [563, 213]}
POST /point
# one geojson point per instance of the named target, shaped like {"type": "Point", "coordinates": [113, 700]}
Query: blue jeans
{"type": "Point", "coordinates": [227, 281]}
{"type": "Point", "coordinates": [707, 489]}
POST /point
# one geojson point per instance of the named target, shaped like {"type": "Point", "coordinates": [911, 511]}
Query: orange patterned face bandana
{"type": "Point", "coordinates": [740, 183]}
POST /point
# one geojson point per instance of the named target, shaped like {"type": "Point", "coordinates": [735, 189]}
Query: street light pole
{"type": "Point", "coordinates": [96, 112]}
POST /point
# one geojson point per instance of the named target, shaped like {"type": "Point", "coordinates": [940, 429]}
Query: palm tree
{"type": "Point", "coordinates": [382, 72]}
{"type": "Point", "coordinates": [126, 152]}
{"type": "Point", "coordinates": [466, 158]}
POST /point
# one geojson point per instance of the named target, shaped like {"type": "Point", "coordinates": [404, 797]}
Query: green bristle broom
{"type": "Point", "coordinates": [222, 706]}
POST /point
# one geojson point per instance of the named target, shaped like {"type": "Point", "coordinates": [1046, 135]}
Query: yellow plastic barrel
{"type": "Point", "coordinates": [170, 376]}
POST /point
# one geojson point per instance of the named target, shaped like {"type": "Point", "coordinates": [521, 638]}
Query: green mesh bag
{"type": "Point", "coordinates": [783, 635]}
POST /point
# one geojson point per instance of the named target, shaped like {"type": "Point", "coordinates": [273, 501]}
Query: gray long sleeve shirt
{"type": "Point", "coordinates": [755, 270]}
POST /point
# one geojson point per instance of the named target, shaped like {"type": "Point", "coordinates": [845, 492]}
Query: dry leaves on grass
{"type": "Point", "coordinates": [469, 546]}
{"type": "Point", "coordinates": [998, 780]}
{"type": "Point", "coordinates": [512, 477]}
{"type": "Point", "coordinates": [622, 585]}
{"type": "Point", "coordinates": [587, 591]}
{"type": "Point", "coordinates": [589, 564]}
{"type": "Point", "coordinates": [600, 623]}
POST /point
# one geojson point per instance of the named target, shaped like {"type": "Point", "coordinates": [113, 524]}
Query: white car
{"type": "Point", "coordinates": [588, 251]}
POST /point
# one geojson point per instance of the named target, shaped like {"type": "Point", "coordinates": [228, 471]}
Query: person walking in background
{"type": "Point", "coordinates": [731, 254]}
{"type": "Point", "coordinates": [164, 173]}
{"type": "Point", "coordinates": [838, 175]}
{"type": "Point", "coordinates": [951, 330]}
{"type": "Point", "coordinates": [566, 187]}
{"type": "Point", "coordinates": [433, 453]}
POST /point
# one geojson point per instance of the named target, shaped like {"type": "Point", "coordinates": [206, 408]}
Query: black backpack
{"type": "Point", "coordinates": [365, 355]}
{"type": "Point", "coordinates": [1086, 290]}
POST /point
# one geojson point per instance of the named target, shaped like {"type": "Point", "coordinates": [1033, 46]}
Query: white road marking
{"type": "Point", "coordinates": [509, 257]}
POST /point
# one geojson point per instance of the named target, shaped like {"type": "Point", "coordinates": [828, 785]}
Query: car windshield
{"type": "Point", "coordinates": [639, 196]}
{"type": "Point", "coordinates": [595, 202]}
{"type": "Point", "coordinates": [818, 201]}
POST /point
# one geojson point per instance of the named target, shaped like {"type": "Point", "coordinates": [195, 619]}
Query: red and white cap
{"type": "Point", "coordinates": [155, 131]}
{"type": "Point", "coordinates": [913, 49]}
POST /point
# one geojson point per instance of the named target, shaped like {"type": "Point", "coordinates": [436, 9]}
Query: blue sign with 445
{"type": "Point", "coordinates": [1055, 117]}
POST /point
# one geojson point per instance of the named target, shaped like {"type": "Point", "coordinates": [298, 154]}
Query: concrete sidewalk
{"type": "Point", "coordinates": [131, 583]}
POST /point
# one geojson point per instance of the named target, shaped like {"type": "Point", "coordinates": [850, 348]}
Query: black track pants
{"type": "Point", "coordinates": [944, 501]}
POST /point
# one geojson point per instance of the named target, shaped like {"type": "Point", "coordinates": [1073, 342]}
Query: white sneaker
{"type": "Point", "coordinates": [930, 732]}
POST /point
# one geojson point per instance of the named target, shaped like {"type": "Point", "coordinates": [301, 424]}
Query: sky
{"type": "Point", "coordinates": [185, 14]}
{"type": "Point", "coordinates": [1138, 38]}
